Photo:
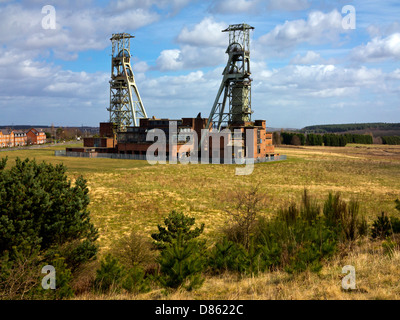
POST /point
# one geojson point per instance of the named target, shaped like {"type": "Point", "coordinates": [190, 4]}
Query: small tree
{"type": "Point", "coordinates": [182, 254]}
{"type": "Point", "coordinates": [246, 206]}
{"type": "Point", "coordinates": [181, 264]}
{"type": "Point", "coordinates": [110, 275]}
{"type": "Point", "coordinates": [174, 223]}
{"type": "Point", "coordinates": [134, 250]}
{"type": "Point", "coordinates": [381, 227]}
{"type": "Point", "coordinates": [344, 217]}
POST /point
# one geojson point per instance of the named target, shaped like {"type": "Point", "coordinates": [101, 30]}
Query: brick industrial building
{"type": "Point", "coordinates": [133, 141]}
{"type": "Point", "coordinates": [16, 138]}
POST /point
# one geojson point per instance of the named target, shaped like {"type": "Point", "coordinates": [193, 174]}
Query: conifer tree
{"type": "Point", "coordinates": [181, 264]}
{"type": "Point", "coordinates": [44, 218]}
{"type": "Point", "coordinates": [173, 223]}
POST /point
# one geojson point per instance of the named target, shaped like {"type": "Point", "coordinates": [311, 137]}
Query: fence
{"type": "Point", "coordinates": [62, 153]}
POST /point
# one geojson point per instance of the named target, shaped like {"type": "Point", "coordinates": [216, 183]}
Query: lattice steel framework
{"type": "Point", "coordinates": [126, 106]}
{"type": "Point", "coordinates": [235, 88]}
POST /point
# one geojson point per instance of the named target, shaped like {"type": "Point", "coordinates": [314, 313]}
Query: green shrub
{"type": "Point", "coordinates": [174, 223]}
{"type": "Point", "coordinates": [389, 247]}
{"type": "Point", "coordinates": [110, 275]}
{"type": "Point", "coordinates": [45, 218]}
{"type": "Point", "coordinates": [334, 209]}
{"type": "Point", "coordinates": [290, 215]}
{"type": "Point", "coordinates": [40, 209]}
{"type": "Point", "coordinates": [295, 240]}
{"type": "Point", "coordinates": [344, 218]}
{"type": "Point", "coordinates": [381, 227]}
{"type": "Point", "coordinates": [227, 255]}
{"type": "Point", "coordinates": [352, 224]}
{"type": "Point", "coordinates": [269, 237]}
{"type": "Point", "coordinates": [134, 250]}
{"type": "Point", "coordinates": [298, 246]}
{"type": "Point", "coordinates": [181, 264]}
{"type": "Point", "coordinates": [135, 281]}
{"type": "Point", "coordinates": [309, 211]}
{"type": "Point", "coordinates": [19, 275]}
{"type": "Point", "coordinates": [63, 288]}
{"type": "Point", "coordinates": [395, 222]}
{"type": "Point", "coordinates": [309, 246]}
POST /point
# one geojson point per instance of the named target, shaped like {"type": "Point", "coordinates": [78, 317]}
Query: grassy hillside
{"type": "Point", "coordinates": [128, 194]}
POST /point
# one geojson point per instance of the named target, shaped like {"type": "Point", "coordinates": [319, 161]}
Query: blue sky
{"type": "Point", "coordinates": [306, 68]}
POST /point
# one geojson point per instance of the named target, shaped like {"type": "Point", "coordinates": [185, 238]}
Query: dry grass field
{"type": "Point", "coordinates": [128, 195]}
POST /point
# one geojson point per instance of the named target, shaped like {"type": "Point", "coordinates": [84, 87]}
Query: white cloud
{"type": "Point", "coordinates": [140, 67]}
{"type": "Point", "coordinates": [379, 49]}
{"type": "Point", "coordinates": [202, 45]}
{"type": "Point", "coordinates": [310, 57]}
{"type": "Point", "coordinates": [170, 60]}
{"type": "Point", "coordinates": [190, 57]}
{"type": "Point", "coordinates": [256, 6]}
{"type": "Point", "coordinates": [206, 33]}
{"type": "Point", "coordinates": [77, 29]}
{"type": "Point", "coordinates": [322, 80]}
{"type": "Point", "coordinates": [317, 29]}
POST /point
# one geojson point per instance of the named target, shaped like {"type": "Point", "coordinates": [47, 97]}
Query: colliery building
{"type": "Point", "coordinates": [228, 132]}
{"type": "Point", "coordinates": [134, 141]}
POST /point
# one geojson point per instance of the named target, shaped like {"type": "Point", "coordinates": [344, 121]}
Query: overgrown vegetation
{"type": "Point", "coordinates": [303, 235]}
{"type": "Point", "coordinates": [43, 220]}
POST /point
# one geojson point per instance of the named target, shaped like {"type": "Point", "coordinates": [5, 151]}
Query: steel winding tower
{"type": "Point", "coordinates": [232, 106]}
{"type": "Point", "coordinates": [126, 106]}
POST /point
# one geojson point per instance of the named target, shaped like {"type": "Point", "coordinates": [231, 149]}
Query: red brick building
{"type": "Point", "coordinates": [17, 138]}
{"type": "Point", "coordinates": [258, 144]}
{"type": "Point", "coordinates": [35, 136]}
{"type": "Point", "coordinates": [187, 136]}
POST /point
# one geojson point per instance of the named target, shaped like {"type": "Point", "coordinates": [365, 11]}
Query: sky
{"type": "Point", "coordinates": [312, 62]}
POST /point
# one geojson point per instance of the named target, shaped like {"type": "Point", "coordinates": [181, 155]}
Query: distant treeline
{"type": "Point", "coordinates": [391, 140]}
{"type": "Point", "coordinates": [327, 139]}
{"type": "Point", "coordinates": [350, 127]}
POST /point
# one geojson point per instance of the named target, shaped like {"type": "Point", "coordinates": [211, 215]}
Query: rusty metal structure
{"type": "Point", "coordinates": [232, 104]}
{"type": "Point", "coordinates": [126, 132]}
{"type": "Point", "coordinates": [126, 106]}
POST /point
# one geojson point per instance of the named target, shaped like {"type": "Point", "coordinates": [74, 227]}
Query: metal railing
{"type": "Point", "coordinates": [63, 153]}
